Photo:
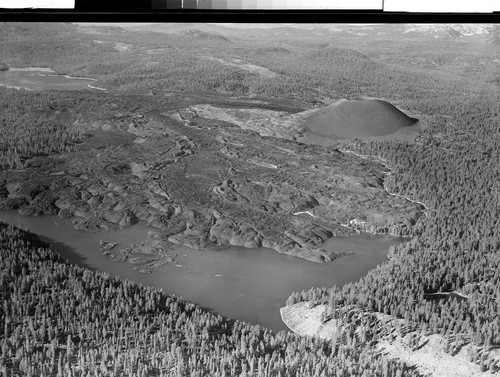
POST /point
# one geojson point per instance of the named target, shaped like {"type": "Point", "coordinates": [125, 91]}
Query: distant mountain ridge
{"type": "Point", "coordinates": [230, 31]}
{"type": "Point", "coordinates": [453, 30]}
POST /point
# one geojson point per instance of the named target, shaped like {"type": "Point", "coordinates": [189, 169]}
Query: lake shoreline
{"type": "Point", "coordinates": [239, 283]}
{"type": "Point", "coordinates": [43, 78]}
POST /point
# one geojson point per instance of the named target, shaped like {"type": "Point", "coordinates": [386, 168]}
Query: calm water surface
{"type": "Point", "coordinates": [246, 284]}
{"type": "Point", "coordinates": [43, 79]}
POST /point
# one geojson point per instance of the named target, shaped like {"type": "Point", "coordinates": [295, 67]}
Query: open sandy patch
{"type": "Point", "coordinates": [122, 47]}
{"type": "Point", "coordinates": [429, 357]}
{"type": "Point", "coordinates": [265, 122]}
{"type": "Point", "coordinates": [241, 64]}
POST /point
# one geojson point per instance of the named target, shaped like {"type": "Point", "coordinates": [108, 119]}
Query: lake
{"type": "Point", "coordinates": [246, 284]}
{"type": "Point", "coordinates": [35, 78]}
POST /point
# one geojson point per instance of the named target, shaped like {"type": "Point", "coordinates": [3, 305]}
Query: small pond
{"type": "Point", "coordinates": [34, 78]}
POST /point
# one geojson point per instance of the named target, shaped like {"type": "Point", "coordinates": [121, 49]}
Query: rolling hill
{"type": "Point", "coordinates": [357, 118]}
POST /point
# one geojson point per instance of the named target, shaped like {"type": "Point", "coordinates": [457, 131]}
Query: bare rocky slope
{"type": "Point", "coordinates": [426, 353]}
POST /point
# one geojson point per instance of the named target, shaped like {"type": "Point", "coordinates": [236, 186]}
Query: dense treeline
{"type": "Point", "coordinates": [58, 319]}
{"type": "Point", "coordinates": [27, 131]}
{"type": "Point", "coordinates": [455, 171]}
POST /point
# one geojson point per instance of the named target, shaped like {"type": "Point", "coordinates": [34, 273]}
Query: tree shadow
{"type": "Point", "coordinates": [420, 346]}
{"type": "Point", "coordinates": [67, 253]}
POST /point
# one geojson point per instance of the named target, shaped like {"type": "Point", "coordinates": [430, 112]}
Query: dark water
{"type": "Point", "coordinates": [38, 79]}
{"type": "Point", "coordinates": [245, 284]}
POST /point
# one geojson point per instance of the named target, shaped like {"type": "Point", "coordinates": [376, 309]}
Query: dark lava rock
{"type": "Point", "coordinates": [251, 191]}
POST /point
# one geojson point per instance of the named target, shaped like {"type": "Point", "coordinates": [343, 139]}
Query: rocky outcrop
{"type": "Point", "coordinates": [208, 185]}
{"type": "Point", "coordinates": [393, 229]}
{"type": "Point", "coordinates": [226, 230]}
{"type": "Point", "coordinates": [106, 247]}
{"type": "Point", "coordinates": [305, 320]}
{"type": "Point", "coordinates": [139, 169]}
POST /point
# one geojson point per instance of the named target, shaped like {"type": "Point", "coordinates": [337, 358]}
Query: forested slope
{"type": "Point", "coordinates": [455, 171]}
{"type": "Point", "coordinates": [28, 129]}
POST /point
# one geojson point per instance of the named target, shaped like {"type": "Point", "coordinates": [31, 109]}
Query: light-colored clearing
{"type": "Point", "coordinates": [238, 63]}
{"type": "Point", "coordinates": [305, 212]}
{"type": "Point", "coordinates": [77, 78]}
{"type": "Point", "coordinates": [430, 359]}
{"type": "Point", "coordinates": [95, 87]}
{"type": "Point", "coordinates": [448, 294]}
{"type": "Point", "coordinates": [305, 321]}
{"type": "Point", "coordinates": [156, 50]}
{"type": "Point", "coordinates": [122, 47]}
{"type": "Point", "coordinates": [15, 87]}
{"type": "Point", "coordinates": [29, 69]}
{"type": "Point", "coordinates": [262, 163]}
{"type": "Point", "coordinates": [265, 122]}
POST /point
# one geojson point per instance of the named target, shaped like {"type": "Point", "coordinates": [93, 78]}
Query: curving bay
{"type": "Point", "coordinates": [245, 284]}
